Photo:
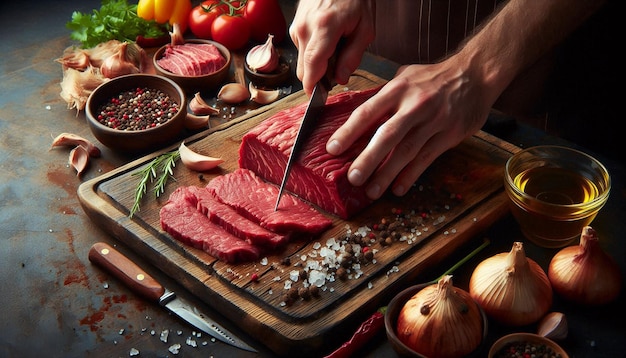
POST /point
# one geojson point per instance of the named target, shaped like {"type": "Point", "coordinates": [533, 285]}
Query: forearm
{"type": "Point", "coordinates": [517, 36]}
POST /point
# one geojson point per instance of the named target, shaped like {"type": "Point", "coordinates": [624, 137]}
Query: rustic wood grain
{"type": "Point", "coordinates": [473, 170]}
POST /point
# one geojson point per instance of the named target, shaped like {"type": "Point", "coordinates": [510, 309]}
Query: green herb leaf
{"type": "Point", "coordinates": [115, 20]}
{"type": "Point", "coordinates": [160, 168]}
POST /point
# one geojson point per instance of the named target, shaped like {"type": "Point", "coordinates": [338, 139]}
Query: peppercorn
{"type": "Point", "coordinates": [137, 109]}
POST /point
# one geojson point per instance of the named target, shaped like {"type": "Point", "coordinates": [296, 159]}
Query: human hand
{"type": "Point", "coordinates": [432, 108]}
{"type": "Point", "coordinates": [316, 30]}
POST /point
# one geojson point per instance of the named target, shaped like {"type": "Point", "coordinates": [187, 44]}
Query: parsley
{"type": "Point", "coordinates": [116, 20]}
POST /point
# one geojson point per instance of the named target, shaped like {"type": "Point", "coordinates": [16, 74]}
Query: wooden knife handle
{"type": "Point", "coordinates": [124, 269]}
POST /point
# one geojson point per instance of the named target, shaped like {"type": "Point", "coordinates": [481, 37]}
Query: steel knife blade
{"type": "Point", "coordinates": [140, 281]}
{"type": "Point", "coordinates": [313, 110]}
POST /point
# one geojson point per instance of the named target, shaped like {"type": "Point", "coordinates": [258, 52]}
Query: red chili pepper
{"type": "Point", "coordinates": [366, 331]}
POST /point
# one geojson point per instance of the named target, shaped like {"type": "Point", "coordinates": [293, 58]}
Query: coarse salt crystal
{"type": "Point", "coordinates": [174, 348]}
{"type": "Point", "coordinates": [191, 342]}
{"type": "Point", "coordinates": [164, 334]}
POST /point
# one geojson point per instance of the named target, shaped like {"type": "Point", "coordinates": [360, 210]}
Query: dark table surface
{"type": "Point", "coordinates": [55, 303]}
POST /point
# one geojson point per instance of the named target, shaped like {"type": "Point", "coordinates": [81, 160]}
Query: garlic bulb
{"type": "Point", "coordinates": [123, 62]}
{"type": "Point", "coordinates": [512, 289]}
{"type": "Point", "coordinates": [196, 161]}
{"type": "Point", "coordinates": [441, 321]}
{"type": "Point", "coordinates": [584, 273]}
{"type": "Point", "coordinates": [263, 58]}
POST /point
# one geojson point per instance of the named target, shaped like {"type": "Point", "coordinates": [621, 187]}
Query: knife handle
{"type": "Point", "coordinates": [124, 269]}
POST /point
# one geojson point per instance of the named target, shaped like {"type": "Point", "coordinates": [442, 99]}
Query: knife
{"type": "Point", "coordinates": [141, 282]}
{"type": "Point", "coordinates": [312, 112]}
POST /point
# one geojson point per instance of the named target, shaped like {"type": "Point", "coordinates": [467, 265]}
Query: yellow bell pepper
{"type": "Point", "coordinates": [165, 11]}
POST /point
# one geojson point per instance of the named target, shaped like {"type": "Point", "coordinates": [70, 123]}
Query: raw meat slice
{"type": "Point", "coordinates": [180, 218]}
{"type": "Point", "coordinates": [316, 176]}
{"type": "Point", "coordinates": [255, 199]}
{"type": "Point", "coordinates": [191, 59]}
{"type": "Point", "coordinates": [235, 223]}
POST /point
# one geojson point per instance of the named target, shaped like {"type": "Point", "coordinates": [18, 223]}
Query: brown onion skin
{"type": "Point", "coordinates": [584, 273]}
{"type": "Point", "coordinates": [439, 335]}
{"type": "Point", "coordinates": [503, 301]}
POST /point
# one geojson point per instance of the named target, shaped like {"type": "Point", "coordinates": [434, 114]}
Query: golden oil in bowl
{"type": "Point", "coordinates": [555, 192]}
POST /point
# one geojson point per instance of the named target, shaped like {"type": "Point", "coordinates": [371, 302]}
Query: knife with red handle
{"type": "Point", "coordinates": [141, 282]}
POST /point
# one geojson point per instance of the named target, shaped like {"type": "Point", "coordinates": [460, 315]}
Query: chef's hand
{"type": "Point", "coordinates": [432, 108]}
{"type": "Point", "coordinates": [317, 27]}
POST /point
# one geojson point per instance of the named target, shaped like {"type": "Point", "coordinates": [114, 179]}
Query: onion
{"type": "Point", "coordinates": [441, 321]}
{"type": "Point", "coordinates": [584, 273]}
{"type": "Point", "coordinates": [512, 289]}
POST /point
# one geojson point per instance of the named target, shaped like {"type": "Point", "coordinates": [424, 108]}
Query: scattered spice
{"type": "Point", "coordinates": [137, 109]}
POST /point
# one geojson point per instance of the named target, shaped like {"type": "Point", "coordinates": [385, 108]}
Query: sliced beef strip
{"type": "Point", "coordinates": [180, 218]}
{"type": "Point", "coordinates": [192, 59]}
{"type": "Point", "coordinates": [317, 176]}
{"type": "Point", "coordinates": [255, 199]}
{"type": "Point", "coordinates": [235, 223]}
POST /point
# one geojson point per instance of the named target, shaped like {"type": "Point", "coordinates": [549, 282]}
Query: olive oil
{"type": "Point", "coordinates": [558, 203]}
{"type": "Point", "coordinates": [556, 186]}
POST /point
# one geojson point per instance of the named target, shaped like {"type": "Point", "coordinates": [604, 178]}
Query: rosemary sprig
{"type": "Point", "coordinates": [160, 168]}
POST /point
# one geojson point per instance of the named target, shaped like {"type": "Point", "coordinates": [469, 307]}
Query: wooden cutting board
{"type": "Point", "coordinates": [456, 199]}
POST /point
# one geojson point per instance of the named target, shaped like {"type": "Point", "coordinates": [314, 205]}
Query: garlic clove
{"type": "Point", "coordinates": [193, 121]}
{"type": "Point", "coordinates": [198, 106]}
{"type": "Point", "coordinates": [233, 93]}
{"type": "Point", "coordinates": [553, 326]}
{"type": "Point", "coordinates": [263, 58]}
{"type": "Point", "coordinates": [72, 140]}
{"type": "Point", "coordinates": [196, 161]}
{"type": "Point", "coordinates": [79, 159]}
{"type": "Point", "coordinates": [262, 96]}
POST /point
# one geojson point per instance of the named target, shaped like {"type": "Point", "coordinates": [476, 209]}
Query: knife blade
{"type": "Point", "coordinates": [313, 111]}
{"type": "Point", "coordinates": [141, 282]}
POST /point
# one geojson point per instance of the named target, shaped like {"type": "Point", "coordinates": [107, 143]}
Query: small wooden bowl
{"type": "Point", "coordinates": [270, 80]}
{"type": "Point", "coordinates": [525, 337]}
{"type": "Point", "coordinates": [391, 322]}
{"type": "Point", "coordinates": [136, 141]}
{"type": "Point", "coordinates": [193, 84]}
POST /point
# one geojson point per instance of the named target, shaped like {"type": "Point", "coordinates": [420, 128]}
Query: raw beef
{"type": "Point", "coordinates": [255, 199]}
{"type": "Point", "coordinates": [181, 219]}
{"type": "Point", "coordinates": [192, 59]}
{"type": "Point", "coordinates": [235, 223]}
{"type": "Point", "coordinates": [317, 176]}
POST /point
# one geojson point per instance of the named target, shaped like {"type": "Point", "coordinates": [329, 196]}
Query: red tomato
{"type": "Point", "coordinates": [266, 17]}
{"type": "Point", "coordinates": [202, 16]}
{"type": "Point", "coordinates": [231, 31]}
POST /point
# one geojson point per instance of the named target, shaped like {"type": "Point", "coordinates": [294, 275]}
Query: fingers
{"type": "Point", "coordinates": [318, 28]}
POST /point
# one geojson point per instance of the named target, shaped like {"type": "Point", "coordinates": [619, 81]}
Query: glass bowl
{"type": "Point", "coordinates": [554, 192]}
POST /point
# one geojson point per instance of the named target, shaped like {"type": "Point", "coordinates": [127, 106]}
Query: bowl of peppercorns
{"type": "Point", "coordinates": [137, 113]}
{"type": "Point", "coordinates": [523, 344]}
